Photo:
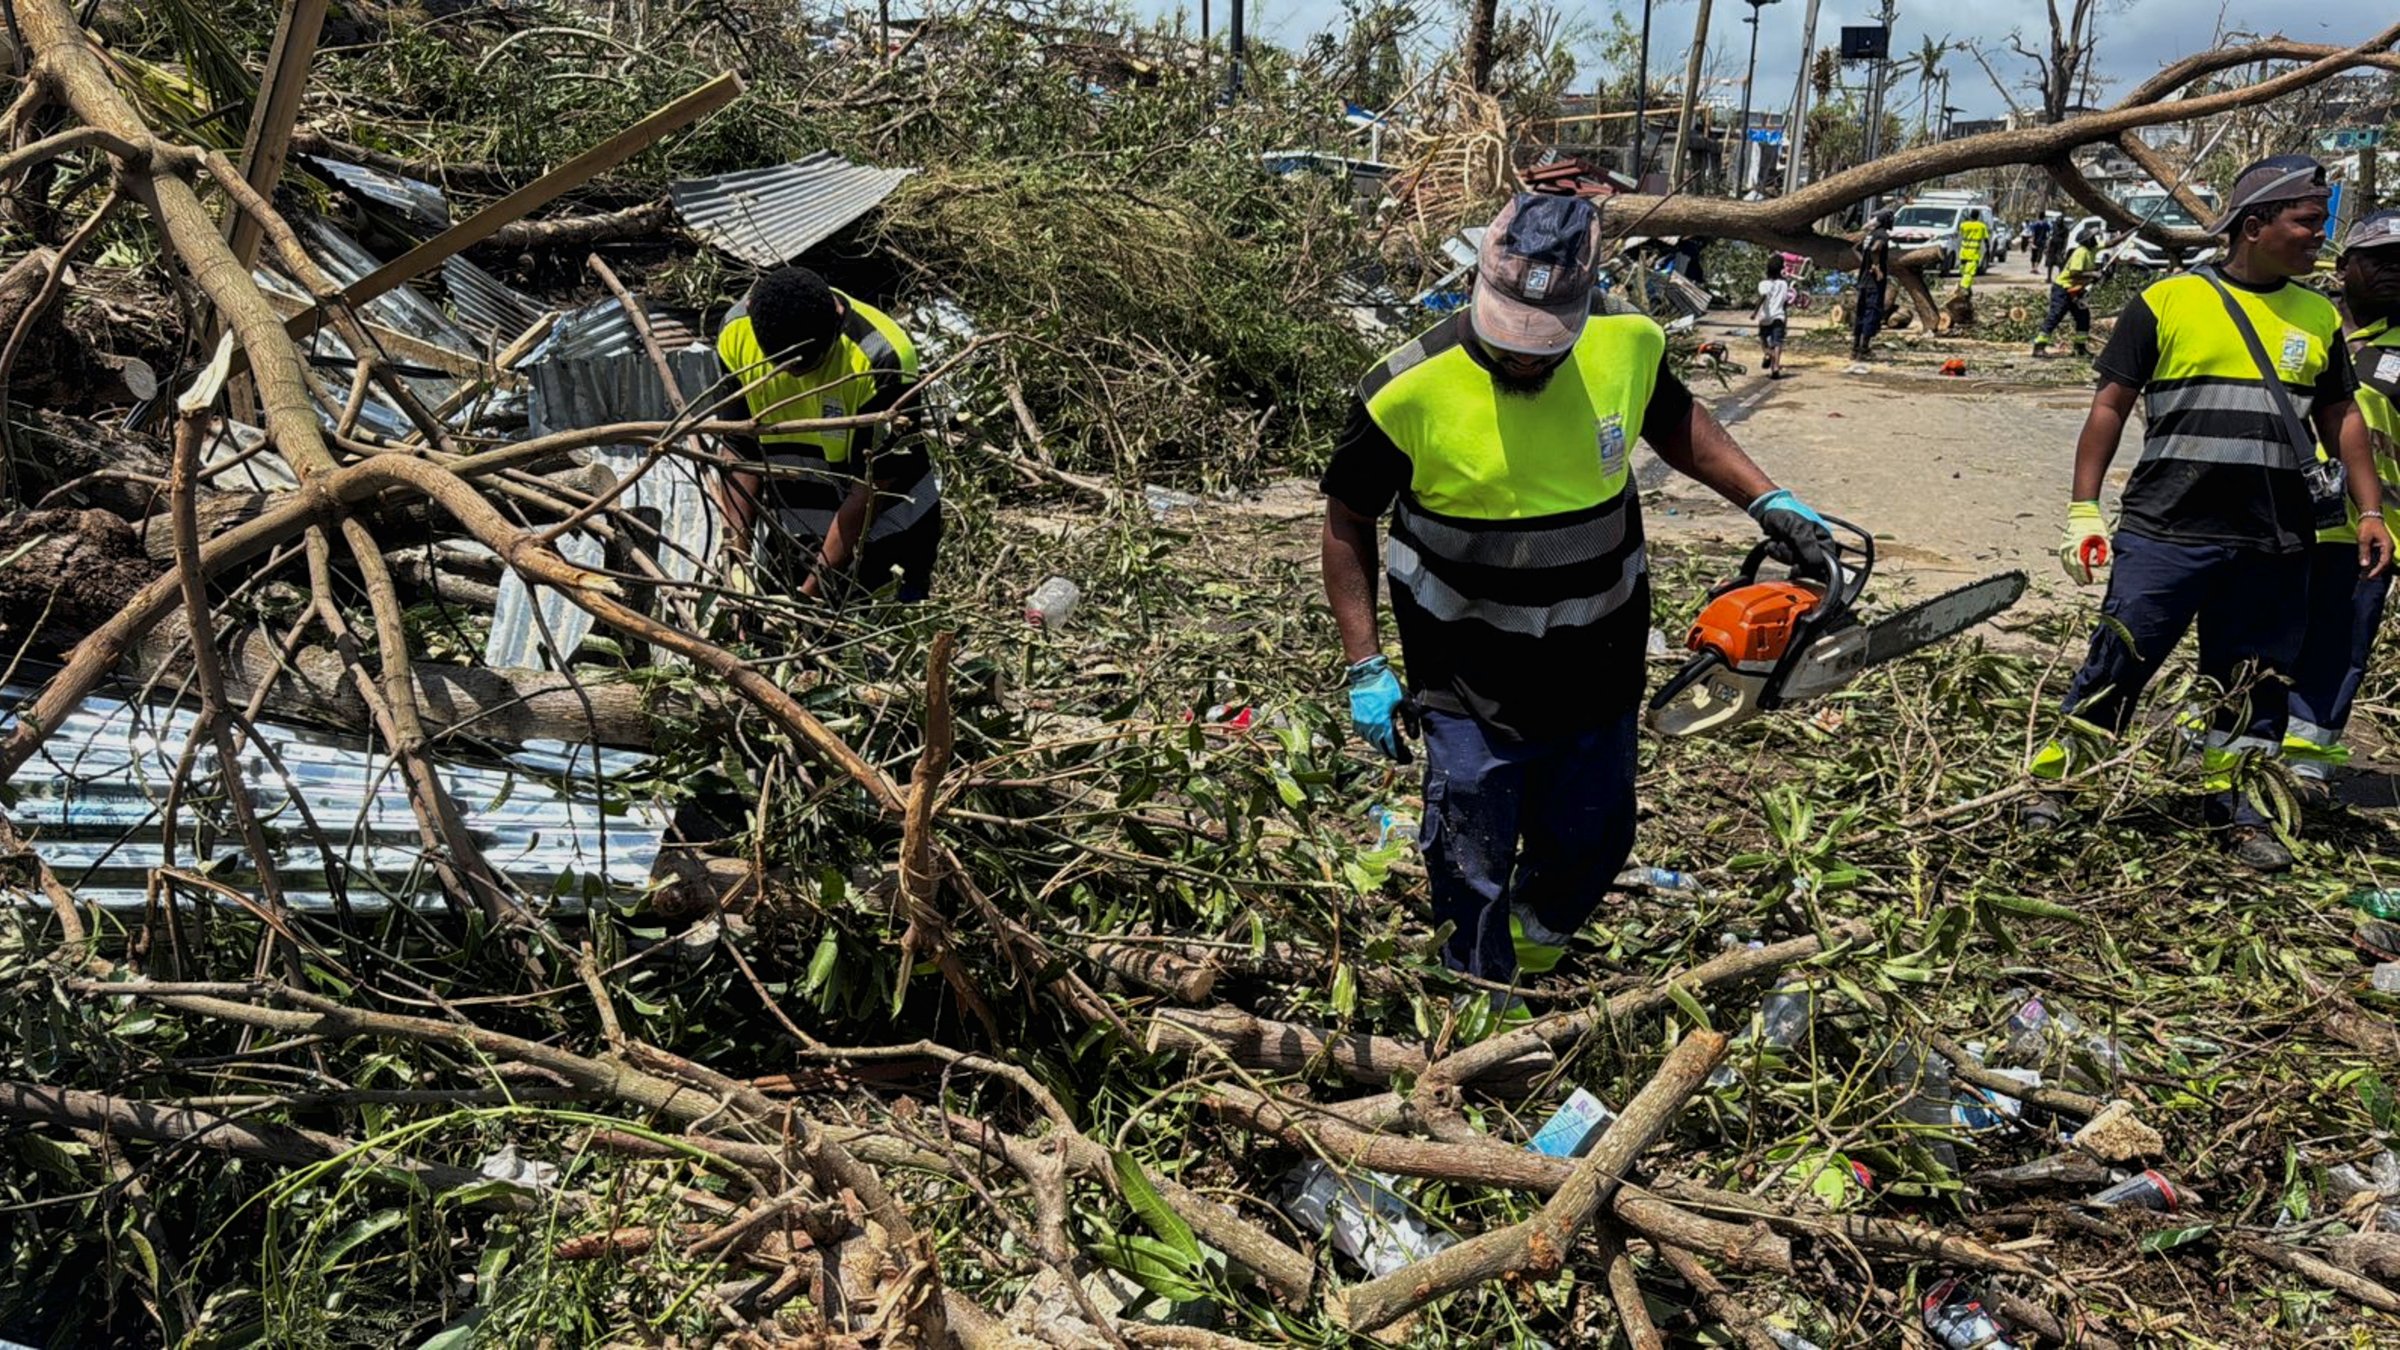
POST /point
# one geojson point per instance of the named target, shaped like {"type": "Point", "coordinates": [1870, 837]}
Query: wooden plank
{"type": "Point", "coordinates": [532, 197]}
{"type": "Point", "coordinates": [270, 136]}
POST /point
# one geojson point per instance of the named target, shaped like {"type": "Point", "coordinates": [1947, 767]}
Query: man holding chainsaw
{"type": "Point", "coordinates": [1500, 441]}
{"type": "Point", "coordinates": [2232, 365]}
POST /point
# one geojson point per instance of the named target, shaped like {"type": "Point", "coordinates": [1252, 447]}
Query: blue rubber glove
{"type": "Point", "coordinates": [1376, 700]}
{"type": "Point", "coordinates": [1796, 535]}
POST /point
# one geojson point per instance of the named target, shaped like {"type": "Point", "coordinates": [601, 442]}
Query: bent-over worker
{"type": "Point", "coordinates": [1500, 441]}
{"type": "Point", "coordinates": [2220, 514]}
{"type": "Point", "coordinates": [853, 505]}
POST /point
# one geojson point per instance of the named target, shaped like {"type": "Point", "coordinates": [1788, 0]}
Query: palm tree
{"type": "Point", "coordinates": [1927, 63]}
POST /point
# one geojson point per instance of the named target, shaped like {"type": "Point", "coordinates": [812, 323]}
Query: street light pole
{"type": "Point", "coordinates": [1741, 174]}
{"type": "Point", "coordinates": [1641, 103]}
{"type": "Point", "coordinates": [1795, 133]}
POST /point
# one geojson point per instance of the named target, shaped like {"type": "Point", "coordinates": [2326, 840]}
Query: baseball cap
{"type": "Point", "coordinates": [2277, 178]}
{"type": "Point", "coordinates": [1533, 276]}
{"type": "Point", "coordinates": [2380, 230]}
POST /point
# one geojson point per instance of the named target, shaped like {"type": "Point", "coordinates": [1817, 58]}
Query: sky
{"type": "Point", "coordinates": [2135, 37]}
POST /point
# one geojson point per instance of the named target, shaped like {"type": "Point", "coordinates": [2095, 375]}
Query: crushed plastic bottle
{"type": "Point", "coordinates": [1956, 1319]}
{"type": "Point", "coordinates": [1658, 879]}
{"type": "Point", "coordinates": [2036, 1028]}
{"type": "Point", "coordinates": [2142, 1190]}
{"type": "Point", "coordinates": [2376, 904]}
{"type": "Point", "coordinates": [1051, 603]}
{"type": "Point", "coordinates": [1384, 821]}
{"type": "Point", "coordinates": [1925, 1077]}
{"type": "Point", "coordinates": [1790, 1340]}
{"type": "Point", "coordinates": [1574, 1128]}
{"type": "Point", "coordinates": [1783, 1015]}
{"type": "Point", "coordinates": [2381, 1177]}
{"type": "Point", "coordinates": [1369, 1221]}
{"type": "Point", "coordinates": [2386, 978]}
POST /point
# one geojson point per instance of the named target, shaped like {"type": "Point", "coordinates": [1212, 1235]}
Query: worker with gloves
{"type": "Point", "coordinates": [1973, 236]}
{"type": "Point", "coordinates": [2345, 603]}
{"type": "Point", "coordinates": [854, 507]}
{"type": "Point", "coordinates": [1500, 440]}
{"type": "Point", "coordinates": [2069, 294]}
{"type": "Point", "coordinates": [2221, 512]}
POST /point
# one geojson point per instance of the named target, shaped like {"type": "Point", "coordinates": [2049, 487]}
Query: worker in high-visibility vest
{"type": "Point", "coordinates": [2220, 515]}
{"type": "Point", "coordinates": [2346, 603]}
{"type": "Point", "coordinates": [1973, 236]}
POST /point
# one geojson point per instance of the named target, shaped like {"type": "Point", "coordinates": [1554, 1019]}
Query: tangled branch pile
{"type": "Point", "coordinates": [992, 982]}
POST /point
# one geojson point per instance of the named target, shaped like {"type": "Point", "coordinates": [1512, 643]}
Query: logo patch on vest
{"type": "Point", "coordinates": [1612, 444]}
{"type": "Point", "coordinates": [2387, 369]}
{"type": "Point", "coordinates": [2295, 353]}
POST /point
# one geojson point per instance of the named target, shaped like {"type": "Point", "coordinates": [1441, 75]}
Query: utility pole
{"type": "Point", "coordinates": [1691, 90]}
{"type": "Point", "coordinates": [1233, 53]}
{"type": "Point", "coordinates": [1741, 172]}
{"type": "Point", "coordinates": [1795, 134]}
{"type": "Point", "coordinates": [1641, 102]}
{"type": "Point", "coordinates": [1879, 72]}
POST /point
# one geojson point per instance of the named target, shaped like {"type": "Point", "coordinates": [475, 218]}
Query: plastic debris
{"type": "Point", "coordinates": [1658, 879]}
{"type": "Point", "coordinates": [1051, 603]}
{"type": "Point", "coordinates": [1165, 501]}
{"type": "Point", "coordinates": [1574, 1128]}
{"type": "Point", "coordinates": [2376, 904]}
{"type": "Point", "coordinates": [2143, 1190]}
{"type": "Point", "coordinates": [2037, 1030]}
{"type": "Point", "coordinates": [2116, 1136]}
{"type": "Point", "coordinates": [1925, 1077]}
{"type": "Point", "coordinates": [1369, 1221]}
{"type": "Point", "coordinates": [505, 1165]}
{"type": "Point", "coordinates": [1956, 1319]}
{"type": "Point", "coordinates": [2386, 978]}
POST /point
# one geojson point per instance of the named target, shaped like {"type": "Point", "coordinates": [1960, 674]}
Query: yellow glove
{"type": "Point", "coordinates": [2084, 552]}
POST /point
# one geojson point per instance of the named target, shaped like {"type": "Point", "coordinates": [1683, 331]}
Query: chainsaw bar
{"type": "Point", "coordinates": [1840, 657]}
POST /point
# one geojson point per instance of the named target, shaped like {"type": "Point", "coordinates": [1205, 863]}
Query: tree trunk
{"type": "Point", "coordinates": [1481, 15]}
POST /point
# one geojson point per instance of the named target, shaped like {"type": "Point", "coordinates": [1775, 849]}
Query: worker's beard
{"type": "Point", "coordinates": [1523, 386]}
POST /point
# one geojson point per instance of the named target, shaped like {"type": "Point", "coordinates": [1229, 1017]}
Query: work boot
{"type": "Point", "coordinates": [1539, 949]}
{"type": "Point", "coordinates": [2041, 346]}
{"type": "Point", "coordinates": [2257, 848]}
{"type": "Point", "coordinates": [2042, 812]}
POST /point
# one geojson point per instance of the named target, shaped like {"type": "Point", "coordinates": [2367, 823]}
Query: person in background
{"type": "Point", "coordinates": [2345, 603]}
{"type": "Point", "coordinates": [2037, 237]}
{"type": "Point", "coordinates": [2219, 516]}
{"type": "Point", "coordinates": [2069, 296]}
{"type": "Point", "coordinates": [2056, 254]}
{"type": "Point", "coordinates": [1874, 275]}
{"type": "Point", "coordinates": [1774, 297]}
{"type": "Point", "coordinates": [854, 506]}
{"type": "Point", "coordinates": [1973, 237]}
{"type": "Point", "coordinates": [1500, 440]}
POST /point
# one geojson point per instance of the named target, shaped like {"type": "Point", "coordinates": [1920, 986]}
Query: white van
{"type": "Point", "coordinates": [1933, 218]}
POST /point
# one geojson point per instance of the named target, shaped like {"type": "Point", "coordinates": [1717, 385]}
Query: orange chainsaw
{"type": "Point", "coordinates": [1759, 645]}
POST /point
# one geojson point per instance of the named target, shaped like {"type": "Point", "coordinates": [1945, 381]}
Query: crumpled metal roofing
{"type": "Point", "coordinates": [487, 306]}
{"type": "Point", "coordinates": [420, 202]}
{"type": "Point", "coordinates": [601, 329]}
{"type": "Point", "coordinates": [92, 805]}
{"type": "Point", "coordinates": [539, 628]}
{"type": "Point", "coordinates": [767, 217]}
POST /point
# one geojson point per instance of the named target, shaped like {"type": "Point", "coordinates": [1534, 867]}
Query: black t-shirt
{"type": "Point", "coordinates": [2192, 502]}
{"type": "Point", "coordinates": [1520, 687]}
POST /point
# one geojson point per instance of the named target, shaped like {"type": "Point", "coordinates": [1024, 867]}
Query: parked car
{"type": "Point", "coordinates": [1933, 218]}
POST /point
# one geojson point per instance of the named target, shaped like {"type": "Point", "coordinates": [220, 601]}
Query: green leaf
{"type": "Point", "coordinates": [1154, 1266]}
{"type": "Point", "coordinates": [1134, 1184]}
{"type": "Point", "coordinates": [457, 1336]}
{"type": "Point", "coordinates": [820, 966]}
{"type": "Point", "coordinates": [2040, 909]}
{"type": "Point", "coordinates": [2168, 1239]}
{"type": "Point", "coordinates": [1690, 1005]}
{"type": "Point", "coordinates": [360, 1231]}
{"type": "Point", "coordinates": [1345, 990]}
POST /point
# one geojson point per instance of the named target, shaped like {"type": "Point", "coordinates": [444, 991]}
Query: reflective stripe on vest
{"type": "Point", "coordinates": [2206, 401]}
{"type": "Point", "coordinates": [893, 512]}
{"type": "Point", "coordinates": [1439, 599]}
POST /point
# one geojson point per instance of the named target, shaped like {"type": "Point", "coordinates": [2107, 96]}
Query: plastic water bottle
{"type": "Point", "coordinates": [2143, 1190]}
{"type": "Point", "coordinates": [1925, 1077]}
{"type": "Point", "coordinates": [1051, 602]}
{"type": "Point", "coordinates": [1369, 1221]}
{"type": "Point", "coordinates": [1956, 1319]}
{"type": "Point", "coordinates": [1657, 879]}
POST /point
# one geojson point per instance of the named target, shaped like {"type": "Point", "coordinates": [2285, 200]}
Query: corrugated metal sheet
{"type": "Point", "coordinates": [487, 306]}
{"type": "Point", "coordinates": [601, 329]}
{"type": "Point", "coordinates": [417, 201]}
{"type": "Point", "coordinates": [538, 628]}
{"type": "Point", "coordinates": [767, 217]}
{"type": "Point", "coordinates": [92, 805]}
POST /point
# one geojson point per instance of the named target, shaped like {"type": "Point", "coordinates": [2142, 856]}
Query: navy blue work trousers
{"type": "Point", "coordinates": [2252, 612]}
{"type": "Point", "coordinates": [1541, 824]}
{"type": "Point", "coordinates": [2344, 612]}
